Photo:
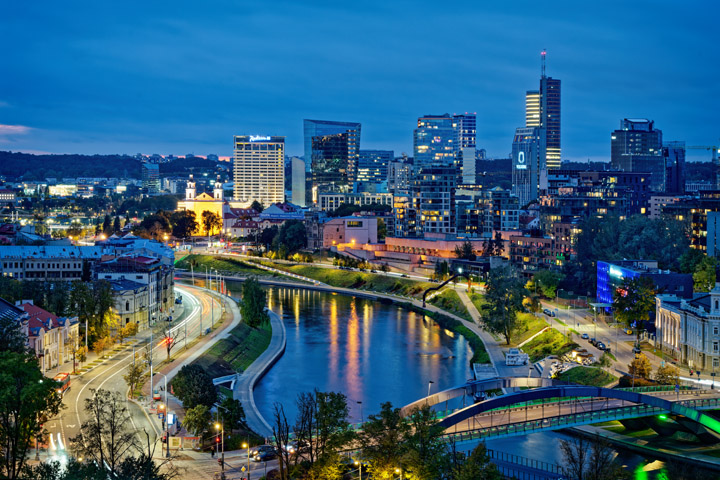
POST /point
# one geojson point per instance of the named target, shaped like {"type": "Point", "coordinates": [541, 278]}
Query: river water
{"type": "Point", "coordinates": [373, 353]}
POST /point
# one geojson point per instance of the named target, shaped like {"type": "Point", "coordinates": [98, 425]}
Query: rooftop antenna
{"type": "Point", "coordinates": [542, 57]}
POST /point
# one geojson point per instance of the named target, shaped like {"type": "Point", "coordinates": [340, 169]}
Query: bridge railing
{"type": "Point", "coordinates": [524, 461]}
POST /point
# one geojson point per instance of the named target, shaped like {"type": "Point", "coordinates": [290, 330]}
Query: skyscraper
{"type": "Point", "coordinates": [434, 200]}
{"type": "Point", "coordinates": [150, 178]}
{"type": "Point", "coordinates": [466, 141]}
{"type": "Point", "coordinates": [674, 160]}
{"type": "Point", "coordinates": [435, 141]}
{"type": "Point", "coordinates": [373, 165]}
{"type": "Point", "coordinates": [529, 177]}
{"type": "Point", "coordinates": [332, 150]}
{"type": "Point", "coordinates": [542, 109]}
{"type": "Point", "coordinates": [637, 147]}
{"type": "Point", "coordinates": [298, 181]}
{"type": "Point", "coordinates": [259, 169]}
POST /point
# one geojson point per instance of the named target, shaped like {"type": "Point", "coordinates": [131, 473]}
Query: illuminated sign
{"type": "Point", "coordinates": [521, 167]}
{"type": "Point", "coordinates": [521, 157]}
{"type": "Point", "coordinates": [354, 224]}
{"type": "Point", "coordinates": [258, 138]}
{"type": "Point", "coordinates": [616, 272]}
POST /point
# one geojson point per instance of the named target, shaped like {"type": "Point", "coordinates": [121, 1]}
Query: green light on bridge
{"type": "Point", "coordinates": [663, 417]}
{"type": "Point", "coordinates": [640, 474]}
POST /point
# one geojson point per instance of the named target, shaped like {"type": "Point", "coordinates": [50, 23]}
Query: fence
{"type": "Point", "coordinates": [523, 468]}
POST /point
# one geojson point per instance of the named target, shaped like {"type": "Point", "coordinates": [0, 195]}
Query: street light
{"type": "Point", "coordinates": [247, 445]}
{"type": "Point", "coordinates": [399, 470]}
{"type": "Point", "coordinates": [430, 382]}
{"type": "Point", "coordinates": [165, 416]}
{"type": "Point", "coordinates": [359, 465]}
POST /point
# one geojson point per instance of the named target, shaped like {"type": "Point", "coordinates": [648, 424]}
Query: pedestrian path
{"type": "Point", "coordinates": [245, 385]}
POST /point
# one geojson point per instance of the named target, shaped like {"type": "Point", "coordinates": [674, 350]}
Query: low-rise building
{"type": "Point", "coordinates": [131, 302]}
{"type": "Point", "coordinates": [350, 230]}
{"type": "Point", "coordinates": [48, 263]}
{"type": "Point", "coordinates": [689, 328]}
{"type": "Point", "coordinates": [610, 275]}
{"type": "Point", "coordinates": [52, 338]}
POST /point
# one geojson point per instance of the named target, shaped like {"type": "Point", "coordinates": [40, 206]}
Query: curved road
{"type": "Point", "coordinates": [109, 375]}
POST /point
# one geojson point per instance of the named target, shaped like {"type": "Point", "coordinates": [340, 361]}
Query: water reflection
{"type": "Point", "coordinates": [367, 350]}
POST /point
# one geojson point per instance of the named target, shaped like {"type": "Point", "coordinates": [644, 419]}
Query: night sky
{"type": "Point", "coordinates": [184, 77]}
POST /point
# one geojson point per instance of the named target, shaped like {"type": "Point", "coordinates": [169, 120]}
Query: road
{"type": "Point", "coordinates": [109, 376]}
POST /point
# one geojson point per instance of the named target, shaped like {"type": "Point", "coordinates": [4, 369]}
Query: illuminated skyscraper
{"type": "Point", "coordinates": [529, 177]}
{"type": "Point", "coordinates": [259, 169]}
{"type": "Point", "coordinates": [637, 147]}
{"type": "Point", "coordinates": [542, 109]}
{"type": "Point", "coordinates": [435, 141]}
{"type": "Point", "coordinates": [332, 150]}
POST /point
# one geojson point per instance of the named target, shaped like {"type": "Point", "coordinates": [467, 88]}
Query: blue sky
{"type": "Point", "coordinates": [184, 77]}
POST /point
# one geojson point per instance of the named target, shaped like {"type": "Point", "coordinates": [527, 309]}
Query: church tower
{"type": "Point", "coordinates": [190, 190]}
{"type": "Point", "coordinates": [218, 190]}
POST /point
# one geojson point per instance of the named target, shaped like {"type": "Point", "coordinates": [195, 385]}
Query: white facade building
{"type": "Point", "coordinates": [259, 169]}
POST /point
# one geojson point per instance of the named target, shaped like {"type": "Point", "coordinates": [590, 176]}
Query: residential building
{"type": "Point", "coordinates": [333, 149]}
{"type": "Point", "coordinates": [150, 178]}
{"type": "Point", "coordinates": [259, 169]}
{"type": "Point", "coordinates": [7, 196]}
{"type": "Point", "coordinates": [466, 143]}
{"type": "Point", "coordinates": [434, 200]}
{"type": "Point", "coordinates": [131, 300]}
{"type": "Point", "coordinates": [637, 147]}
{"type": "Point", "coordinates": [657, 203]}
{"type": "Point", "coordinates": [700, 213]}
{"type": "Point", "coordinates": [531, 253]}
{"type": "Point", "coordinates": [52, 338]}
{"type": "Point", "coordinates": [688, 329]}
{"type": "Point", "coordinates": [400, 174]}
{"type": "Point", "coordinates": [435, 141]}
{"type": "Point", "coordinates": [373, 165]}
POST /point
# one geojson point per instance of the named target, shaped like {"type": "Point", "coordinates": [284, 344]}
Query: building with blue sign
{"type": "Point", "coordinates": [610, 275]}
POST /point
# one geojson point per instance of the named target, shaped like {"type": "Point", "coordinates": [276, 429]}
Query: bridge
{"type": "Point", "coordinates": [550, 405]}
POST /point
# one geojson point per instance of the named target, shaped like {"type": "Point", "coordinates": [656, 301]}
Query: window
{"type": "Point", "coordinates": [716, 362]}
{"type": "Point", "coordinates": [127, 306]}
{"type": "Point", "coordinates": [716, 347]}
{"type": "Point", "coordinates": [716, 330]}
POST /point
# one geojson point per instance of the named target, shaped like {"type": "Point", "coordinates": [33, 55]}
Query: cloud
{"type": "Point", "coordinates": [6, 130]}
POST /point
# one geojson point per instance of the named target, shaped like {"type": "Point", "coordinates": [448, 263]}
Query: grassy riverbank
{"type": "Point", "coordinates": [236, 352]}
{"type": "Point", "coordinates": [594, 376]}
{"type": "Point", "coordinates": [450, 301]}
{"type": "Point", "coordinates": [550, 342]}
{"type": "Point", "coordinates": [224, 265]}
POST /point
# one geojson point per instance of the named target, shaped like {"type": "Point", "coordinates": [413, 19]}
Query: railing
{"type": "Point", "coordinates": [573, 419]}
{"type": "Point", "coordinates": [516, 464]}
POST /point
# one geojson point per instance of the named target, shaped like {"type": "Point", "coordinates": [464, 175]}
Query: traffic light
{"type": "Point", "coordinates": [217, 438]}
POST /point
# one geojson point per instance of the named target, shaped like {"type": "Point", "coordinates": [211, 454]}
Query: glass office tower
{"type": "Point", "coordinates": [373, 165]}
{"type": "Point", "coordinates": [435, 141]}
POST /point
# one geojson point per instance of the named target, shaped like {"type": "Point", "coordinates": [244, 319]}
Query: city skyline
{"type": "Point", "coordinates": [158, 81]}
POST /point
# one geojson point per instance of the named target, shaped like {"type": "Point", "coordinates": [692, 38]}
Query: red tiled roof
{"type": "Point", "coordinates": [39, 317]}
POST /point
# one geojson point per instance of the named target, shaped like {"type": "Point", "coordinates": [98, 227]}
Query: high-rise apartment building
{"type": "Point", "coordinates": [435, 141]}
{"type": "Point", "coordinates": [529, 173]}
{"type": "Point", "coordinates": [150, 178]}
{"type": "Point", "coordinates": [400, 174]}
{"type": "Point", "coordinates": [674, 159]}
{"type": "Point", "coordinates": [434, 200]}
{"type": "Point", "coordinates": [259, 169]}
{"type": "Point", "coordinates": [466, 130]}
{"type": "Point", "coordinates": [332, 150]}
{"type": "Point", "coordinates": [637, 147]}
{"type": "Point", "coordinates": [373, 165]}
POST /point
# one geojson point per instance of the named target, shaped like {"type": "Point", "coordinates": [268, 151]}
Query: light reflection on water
{"type": "Point", "coordinates": [367, 350]}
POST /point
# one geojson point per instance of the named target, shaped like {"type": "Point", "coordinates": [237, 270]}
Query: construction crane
{"type": "Point", "coordinates": [715, 151]}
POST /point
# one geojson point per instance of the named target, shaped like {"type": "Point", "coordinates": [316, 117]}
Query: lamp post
{"type": "Point", "coordinates": [399, 470]}
{"type": "Point", "coordinates": [221, 428]}
{"type": "Point", "coordinates": [430, 382]}
{"type": "Point", "coordinates": [165, 418]}
{"type": "Point", "coordinates": [247, 445]}
{"type": "Point", "coordinates": [359, 402]}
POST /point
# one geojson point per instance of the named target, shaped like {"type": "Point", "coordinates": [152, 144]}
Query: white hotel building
{"type": "Point", "coordinates": [259, 169]}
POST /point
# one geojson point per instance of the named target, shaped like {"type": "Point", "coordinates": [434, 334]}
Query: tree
{"type": "Point", "coordinates": [281, 434]}
{"type": "Point", "coordinates": [106, 436]}
{"type": "Point", "coordinates": [704, 274]}
{"type": "Point", "coordinates": [92, 303]}
{"type": "Point", "coordinates": [442, 271]}
{"type": "Point", "coordinates": [233, 413]}
{"type": "Point", "coordinates": [667, 375]}
{"type": "Point", "coordinates": [290, 238]}
{"type": "Point", "coordinates": [252, 305]}
{"type": "Point", "coordinates": [257, 206]}
{"type": "Point", "coordinates": [426, 457]}
{"type": "Point", "coordinates": [197, 419]}
{"type": "Point", "coordinates": [477, 466]}
{"type": "Point", "coordinates": [116, 225]}
{"type": "Point", "coordinates": [590, 460]}
{"type": "Point", "coordinates": [183, 223]}
{"type": "Point", "coordinates": [494, 247]}
{"type": "Point", "coordinates": [633, 301]}
{"type": "Point", "coordinates": [382, 441]}
{"type": "Point", "coordinates": [504, 299]}
{"type": "Point", "coordinates": [548, 282]}
{"type": "Point", "coordinates": [102, 344]}
{"type": "Point", "coordinates": [106, 225]}
{"type": "Point", "coordinates": [133, 377]}
{"type": "Point", "coordinates": [26, 398]}
{"type": "Point", "coordinates": [690, 260]}
{"type": "Point", "coordinates": [193, 387]}
{"type": "Point", "coordinates": [640, 366]}
{"type": "Point", "coordinates": [210, 222]}
{"type": "Point", "coordinates": [381, 229]}
{"type": "Point", "coordinates": [465, 251]}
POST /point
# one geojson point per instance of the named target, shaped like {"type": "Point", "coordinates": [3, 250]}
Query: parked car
{"type": "Point", "coordinates": [584, 336]}
{"type": "Point", "coordinates": [601, 345]}
{"type": "Point", "coordinates": [549, 312]}
{"type": "Point", "coordinates": [636, 350]}
{"type": "Point", "coordinates": [593, 341]}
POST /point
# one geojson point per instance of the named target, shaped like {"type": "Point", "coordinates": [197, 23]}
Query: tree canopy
{"type": "Point", "coordinates": [252, 305]}
{"type": "Point", "coordinates": [504, 300]}
{"type": "Point", "coordinates": [193, 386]}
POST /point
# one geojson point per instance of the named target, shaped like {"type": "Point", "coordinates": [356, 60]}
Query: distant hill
{"type": "Point", "coordinates": [38, 167]}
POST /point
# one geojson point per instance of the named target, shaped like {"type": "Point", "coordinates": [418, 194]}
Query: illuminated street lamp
{"type": "Point", "coordinates": [399, 470]}
{"type": "Point", "coordinates": [359, 465]}
{"type": "Point", "coordinates": [247, 446]}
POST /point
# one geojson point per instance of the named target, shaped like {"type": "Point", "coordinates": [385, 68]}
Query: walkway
{"type": "Point", "coordinates": [245, 386]}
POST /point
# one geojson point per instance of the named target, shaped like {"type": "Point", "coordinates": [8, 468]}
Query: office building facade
{"type": "Point", "coordinates": [542, 110]}
{"type": "Point", "coordinates": [333, 149]}
{"type": "Point", "coordinates": [298, 181]}
{"type": "Point", "coordinates": [373, 165]}
{"type": "Point", "coordinates": [150, 178]}
{"type": "Point", "coordinates": [529, 172]}
{"type": "Point", "coordinates": [674, 158]}
{"type": "Point", "coordinates": [259, 169]}
{"type": "Point", "coordinates": [435, 141]}
{"type": "Point", "coordinates": [637, 147]}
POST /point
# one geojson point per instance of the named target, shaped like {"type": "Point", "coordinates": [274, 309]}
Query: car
{"type": "Point", "coordinates": [260, 449]}
{"type": "Point", "coordinates": [404, 276]}
{"type": "Point", "coordinates": [549, 312]}
{"type": "Point", "coordinates": [265, 456]}
{"type": "Point", "coordinates": [636, 350]}
{"type": "Point", "coordinates": [585, 336]}
{"type": "Point", "coordinates": [601, 346]}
